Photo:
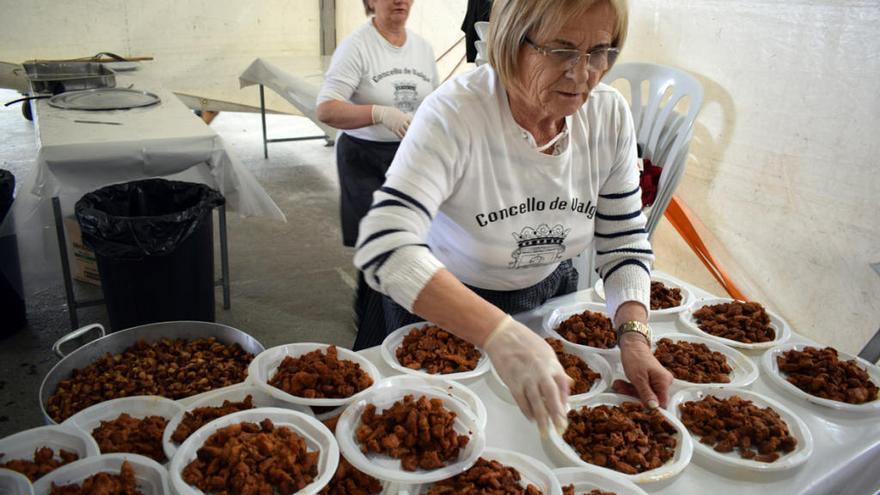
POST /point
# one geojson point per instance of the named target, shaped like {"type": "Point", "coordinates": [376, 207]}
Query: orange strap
{"type": "Point", "coordinates": [680, 216]}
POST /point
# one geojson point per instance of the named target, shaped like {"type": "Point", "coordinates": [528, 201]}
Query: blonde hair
{"type": "Point", "coordinates": [512, 21]}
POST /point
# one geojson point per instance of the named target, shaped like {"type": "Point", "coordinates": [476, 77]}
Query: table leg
{"type": "Point", "coordinates": [224, 255]}
{"type": "Point", "coordinates": [263, 116]}
{"type": "Point", "coordinates": [65, 264]}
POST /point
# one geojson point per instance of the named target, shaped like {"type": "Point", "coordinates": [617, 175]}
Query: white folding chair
{"type": "Point", "coordinates": [663, 133]}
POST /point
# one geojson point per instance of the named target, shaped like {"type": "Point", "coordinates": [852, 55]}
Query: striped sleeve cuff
{"type": "Point", "coordinates": [628, 283]}
{"type": "Point", "coordinates": [407, 272]}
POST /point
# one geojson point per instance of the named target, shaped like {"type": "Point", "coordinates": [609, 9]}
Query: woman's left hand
{"type": "Point", "coordinates": [649, 380]}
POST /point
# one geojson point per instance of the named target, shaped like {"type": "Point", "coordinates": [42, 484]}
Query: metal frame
{"type": "Point", "coordinates": [871, 351]}
{"type": "Point", "coordinates": [73, 306]}
{"type": "Point", "coordinates": [281, 140]}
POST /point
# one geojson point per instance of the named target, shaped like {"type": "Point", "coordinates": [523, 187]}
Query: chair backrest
{"type": "Point", "coordinates": [663, 133]}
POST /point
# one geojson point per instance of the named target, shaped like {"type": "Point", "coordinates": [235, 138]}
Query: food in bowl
{"type": "Point", "coordinates": [436, 351]}
{"type": "Point", "coordinates": [246, 458]}
{"type": "Point", "coordinates": [693, 361]}
{"type": "Point", "coordinates": [102, 483]}
{"type": "Point", "coordinates": [746, 322]}
{"type": "Point", "coordinates": [169, 368]}
{"type": "Point", "coordinates": [44, 462]}
{"type": "Point", "coordinates": [347, 480]}
{"type": "Point", "coordinates": [589, 328]}
{"type": "Point", "coordinates": [420, 432]}
{"type": "Point", "coordinates": [130, 434]}
{"type": "Point", "coordinates": [485, 477]}
{"type": "Point", "coordinates": [821, 373]}
{"type": "Point", "coordinates": [628, 438]}
{"type": "Point", "coordinates": [575, 367]}
{"type": "Point", "coordinates": [734, 423]}
{"type": "Point", "coordinates": [319, 375]}
{"type": "Point", "coordinates": [200, 416]}
{"type": "Point", "coordinates": [663, 297]}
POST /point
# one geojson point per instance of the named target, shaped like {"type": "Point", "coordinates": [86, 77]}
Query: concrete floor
{"type": "Point", "coordinates": [290, 282]}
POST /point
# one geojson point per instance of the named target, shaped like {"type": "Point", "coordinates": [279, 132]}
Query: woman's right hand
{"type": "Point", "coordinates": [530, 369]}
{"type": "Point", "coordinates": [393, 119]}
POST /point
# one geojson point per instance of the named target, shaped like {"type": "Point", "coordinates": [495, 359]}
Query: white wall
{"type": "Point", "coordinates": [783, 167]}
{"type": "Point", "coordinates": [200, 46]}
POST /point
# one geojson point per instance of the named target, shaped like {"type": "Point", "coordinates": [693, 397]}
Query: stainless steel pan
{"type": "Point", "coordinates": [116, 342]}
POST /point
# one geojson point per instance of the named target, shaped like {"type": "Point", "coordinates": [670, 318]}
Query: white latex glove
{"type": "Point", "coordinates": [529, 368]}
{"type": "Point", "coordinates": [392, 118]}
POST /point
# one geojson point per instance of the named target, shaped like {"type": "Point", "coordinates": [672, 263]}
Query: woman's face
{"type": "Point", "coordinates": [393, 11]}
{"type": "Point", "coordinates": [552, 87]}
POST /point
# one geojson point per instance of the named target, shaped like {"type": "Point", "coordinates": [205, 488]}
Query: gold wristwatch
{"type": "Point", "coordinates": [634, 326]}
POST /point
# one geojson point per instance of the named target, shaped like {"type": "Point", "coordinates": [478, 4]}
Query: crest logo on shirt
{"type": "Point", "coordinates": [541, 245]}
{"type": "Point", "coordinates": [406, 96]}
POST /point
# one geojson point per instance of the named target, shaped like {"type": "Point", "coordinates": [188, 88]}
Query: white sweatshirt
{"type": "Point", "coordinates": [368, 70]}
{"type": "Point", "coordinates": [467, 190]}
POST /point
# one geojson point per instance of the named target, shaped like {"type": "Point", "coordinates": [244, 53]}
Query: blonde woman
{"type": "Point", "coordinates": [506, 173]}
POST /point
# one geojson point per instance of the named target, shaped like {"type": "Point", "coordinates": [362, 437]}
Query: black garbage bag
{"type": "Point", "coordinates": [12, 307]}
{"type": "Point", "coordinates": [153, 243]}
{"type": "Point", "coordinates": [143, 218]}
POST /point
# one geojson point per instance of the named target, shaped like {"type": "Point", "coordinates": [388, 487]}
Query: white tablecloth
{"type": "Point", "coordinates": [296, 79]}
{"type": "Point", "coordinates": [845, 460]}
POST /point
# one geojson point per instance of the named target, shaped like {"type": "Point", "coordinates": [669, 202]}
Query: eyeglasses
{"type": "Point", "coordinates": [597, 60]}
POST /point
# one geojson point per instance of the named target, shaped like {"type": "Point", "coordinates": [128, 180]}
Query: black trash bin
{"type": "Point", "coordinates": [153, 241]}
{"type": "Point", "coordinates": [12, 309]}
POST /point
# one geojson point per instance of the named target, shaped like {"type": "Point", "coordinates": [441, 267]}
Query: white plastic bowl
{"type": "Point", "coordinates": [777, 378]}
{"type": "Point", "coordinates": [139, 406]}
{"type": "Point", "coordinates": [387, 468]}
{"type": "Point", "coordinates": [667, 314]}
{"type": "Point", "coordinates": [796, 427]}
{"type": "Point", "coordinates": [780, 327]}
{"type": "Point", "coordinates": [22, 445]}
{"type": "Point", "coordinates": [264, 365]}
{"type": "Point", "coordinates": [236, 393]}
{"type": "Point", "coordinates": [586, 479]}
{"type": "Point", "coordinates": [744, 373]}
{"type": "Point", "coordinates": [14, 483]}
{"type": "Point", "coordinates": [152, 478]}
{"type": "Point", "coordinates": [683, 449]}
{"type": "Point", "coordinates": [395, 340]}
{"type": "Point", "coordinates": [316, 435]}
{"type": "Point", "coordinates": [562, 313]}
{"type": "Point", "coordinates": [531, 470]}
{"type": "Point", "coordinates": [594, 360]}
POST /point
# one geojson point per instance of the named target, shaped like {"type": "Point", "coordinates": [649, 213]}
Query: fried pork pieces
{"type": "Point", "coordinates": [252, 459]}
{"type": "Point", "coordinates": [316, 375]}
{"type": "Point", "coordinates": [43, 463]}
{"type": "Point", "coordinates": [663, 297]}
{"type": "Point", "coordinates": [419, 432]}
{"type": "Point", "coordinates": [575, 368]}
{"type": "Point", "coordinates": [349, 481]}
{"type": "Point", "coordinates": [735, 423]}
{"type": "Point", "coordinates": [486, 477]}
{"type": "Point", "coordinates": [569, 490]}
{"type": "Point", "coordinates": [195, 419]}
{"type": "Point", "coordinates": [819, 372]}
{"type": "Point", "coordinates": [128, 434]}
{"type": "Point", "coordinates": [123, 483]}
{"type": "Point", "coordinates": [693, 362]}
{"type": "Point", "coordinates": [437, 351]}
{"type": "Point", "coordinates": [171, 368]}
{"type": "Point", "coordinates": [627, 438]}
{"type": "Point", "coordinates": [745, 322]}
{"type": "Point", "coordinates": [590, 329]}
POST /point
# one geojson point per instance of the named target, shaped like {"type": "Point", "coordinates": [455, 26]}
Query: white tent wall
{"type": "Point", "coordinates": [200, 46]}
{"type": "Point", "coordinates": [783, 162]}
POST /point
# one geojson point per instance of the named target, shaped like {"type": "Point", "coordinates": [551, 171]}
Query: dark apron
{"type": "Point", "coordinates": [361, 165]}
{"type": "Point", "coordinates": [562, 281]}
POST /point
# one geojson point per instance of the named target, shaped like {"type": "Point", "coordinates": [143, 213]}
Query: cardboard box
{"type": "Point", "coordinates": [83, 265]}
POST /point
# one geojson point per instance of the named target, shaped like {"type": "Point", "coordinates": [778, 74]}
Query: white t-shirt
{"type": "Point", "coordinates": [467, 190]}
{"type": "Point", "coordinates": [368, 70]}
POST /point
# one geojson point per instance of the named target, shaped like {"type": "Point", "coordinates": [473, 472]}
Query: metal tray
{"type": "Point", "coordinates": [104, 99]}
{"type": "Point", "coordinates": [58, 77]}
{"type": "Point", "coordinates": [119, 341]}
